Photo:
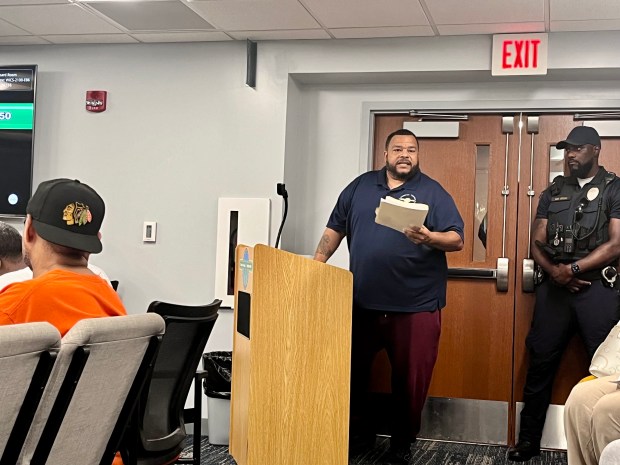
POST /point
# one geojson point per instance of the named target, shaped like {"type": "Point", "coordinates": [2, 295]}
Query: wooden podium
{"type": "Point", "coordinates": [291, 360]}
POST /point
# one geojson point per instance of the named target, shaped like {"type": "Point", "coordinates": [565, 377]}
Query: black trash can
{"type": "Point", "coordinates": [218, 366]}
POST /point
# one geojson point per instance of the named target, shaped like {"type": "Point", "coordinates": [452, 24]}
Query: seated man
{"type": "Point", "coordinates": [592, 419]}
{"type": "Point", "coordinates": [61, 230]}
{"type": "Point", "coordinates": [11, 258]}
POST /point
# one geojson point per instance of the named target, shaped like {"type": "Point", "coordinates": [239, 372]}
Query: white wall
{"type": "Point", "coordinates": [182, 129]}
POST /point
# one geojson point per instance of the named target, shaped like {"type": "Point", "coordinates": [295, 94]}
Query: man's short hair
{"type": "Point", "coordinates": [66, 251]}
{"type": "Point", "coordinates": [10, 243]}
{"type": "Point", "coordinates": [399, 132]}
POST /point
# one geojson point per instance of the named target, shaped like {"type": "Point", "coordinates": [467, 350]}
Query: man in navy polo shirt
{"type": "Point", "coordinates": [399, 286]}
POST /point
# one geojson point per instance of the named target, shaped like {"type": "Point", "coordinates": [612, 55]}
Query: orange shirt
{"type": "Point", "coordinates": [59, 297]}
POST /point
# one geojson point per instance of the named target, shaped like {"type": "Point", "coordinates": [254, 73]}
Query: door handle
{"type": "Point", "coordinates": [500, 274]}
{"type": "Point", "coordinates": [527, 280]}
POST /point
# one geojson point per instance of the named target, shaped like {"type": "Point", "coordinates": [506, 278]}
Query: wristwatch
{"type": "Point", "coordinates": [575, 268]}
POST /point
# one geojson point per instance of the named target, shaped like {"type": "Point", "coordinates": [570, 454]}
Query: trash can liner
{"type": "Point", "coordinates": [218, 366]}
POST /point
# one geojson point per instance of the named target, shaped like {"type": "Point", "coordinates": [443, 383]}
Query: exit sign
{"type": "Point", "coordinates": [519, 54]}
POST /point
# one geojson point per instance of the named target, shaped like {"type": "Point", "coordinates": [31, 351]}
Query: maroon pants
{"type": "Point", "coordinates": [411, 341]}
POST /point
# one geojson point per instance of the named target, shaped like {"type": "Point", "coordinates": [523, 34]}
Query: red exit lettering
{"type": "Point", "coordinates": [520, 53]}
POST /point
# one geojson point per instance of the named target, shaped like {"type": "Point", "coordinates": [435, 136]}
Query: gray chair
{"type": "Point", "coordinates": [27, 354]}
{"type": "Point", "coordinates": [99, 372]}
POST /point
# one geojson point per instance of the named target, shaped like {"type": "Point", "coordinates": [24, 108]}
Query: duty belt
{"type": "Point", "coordinates": [590, 275]}
{"type": "Point", "coordinates": [609, 274]}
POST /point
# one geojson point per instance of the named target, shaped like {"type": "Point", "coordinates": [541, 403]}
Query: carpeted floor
{"type": "Point", "coordinates": [424, 453]}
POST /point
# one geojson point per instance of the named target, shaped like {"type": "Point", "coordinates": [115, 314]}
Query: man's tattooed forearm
{"type": "Point", "coordinates": [324, 247]}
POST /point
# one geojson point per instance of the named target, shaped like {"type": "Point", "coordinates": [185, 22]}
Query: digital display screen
{"type": "Point", "coordinates": [17, 103]}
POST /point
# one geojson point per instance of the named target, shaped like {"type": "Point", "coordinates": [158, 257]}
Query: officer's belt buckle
{"type": "Point", "coordinates": [609, 275]}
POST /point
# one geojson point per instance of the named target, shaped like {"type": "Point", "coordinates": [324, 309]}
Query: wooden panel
{"type": "Point", "coordinates": [300, 345]}
{"type": "Point", "coordinates": [240, 383]}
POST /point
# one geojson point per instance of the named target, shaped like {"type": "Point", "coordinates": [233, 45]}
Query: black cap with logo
{"type": "Point", "coordinates": [69, 213]}
{"type": "Point", "coordinates": [581, 135]}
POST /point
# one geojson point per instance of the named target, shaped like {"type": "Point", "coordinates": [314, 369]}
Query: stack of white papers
{"type": "Point", "coordinates": [400, 214]}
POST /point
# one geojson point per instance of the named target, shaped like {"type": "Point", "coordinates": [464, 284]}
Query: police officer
{"type": "Point", "coordinates": [576, 241]}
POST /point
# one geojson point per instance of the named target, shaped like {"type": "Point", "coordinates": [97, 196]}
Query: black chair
{"type": "Point", "coordinates": [156, 434]}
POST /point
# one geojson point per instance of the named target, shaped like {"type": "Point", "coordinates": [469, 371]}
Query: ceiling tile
{"type": "Point", "coordinates": [591, 25]}
{"type": "Point", "coordinates": [91, 39]}
{"type": "Point", "coordinates": [7, 29]}
{"type": "Point", "coordinates": [369, 32]}
{"type": "Point", "coordinates": [565, 10]}
{"type": "Point", "coordinates": [23, 40]}
{"type": "Point", "coordinates": [281, 35]}
{"type": "Point", "coordinates": [366, 13]}
{"type": "Point", "coordinates": [33, 2]}
{"type": "Point", "coordinates": [181, 37]}
{"type": "Point", "coordinates": [151, 15]}
{"type": "Point", "coordinates": [243, 15]}
{"type": "Point", "coordinates": [485, 11]}
{"type": "Point", "coordinates": [55, 19]}
{"type": "Point", "coordinates": [500, 28]}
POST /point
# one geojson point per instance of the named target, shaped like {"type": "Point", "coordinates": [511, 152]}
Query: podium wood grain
{"type": "Point", "coordinates": [290, 384]}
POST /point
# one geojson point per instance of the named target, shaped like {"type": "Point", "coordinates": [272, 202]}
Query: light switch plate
{"type": "Point", "coordinates": [149, 231]}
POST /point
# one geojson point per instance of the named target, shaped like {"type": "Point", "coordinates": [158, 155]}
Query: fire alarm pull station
{"type": "Point", "coordinates": [96, 100]}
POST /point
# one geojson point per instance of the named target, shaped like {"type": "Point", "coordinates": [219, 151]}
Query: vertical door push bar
{"type": "Point", "coordinates": [527, 278]}
{"type": "Point", "coordinates": [508, 124]}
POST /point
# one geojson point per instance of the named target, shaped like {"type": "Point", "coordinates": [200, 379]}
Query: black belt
{"type": "Point", "coordinates": [609, 279]}
{"type": "Point", "coordinates": [590, 275]}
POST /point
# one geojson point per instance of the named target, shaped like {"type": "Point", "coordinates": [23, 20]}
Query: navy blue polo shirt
{"type": "Point", "coordinates": [390, 272]}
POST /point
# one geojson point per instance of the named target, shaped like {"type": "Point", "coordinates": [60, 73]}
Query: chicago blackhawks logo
{"type": "Point", "coordinates": [77, 213]}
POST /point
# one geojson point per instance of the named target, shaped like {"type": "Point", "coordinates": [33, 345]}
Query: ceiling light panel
{"type": "Point", "coordinates": [151, 15]}
{"type": "Point", "coordinates": [243, 15]}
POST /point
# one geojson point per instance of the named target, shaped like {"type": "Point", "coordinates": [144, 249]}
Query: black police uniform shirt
{"type": "Point", "coordinates": [390, 272]}
{"type": "Point", "coordinates": [610, 195]}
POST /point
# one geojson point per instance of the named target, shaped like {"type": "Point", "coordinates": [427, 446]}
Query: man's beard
{"type": "Point", "coordinates": [582, 171]}
{"type": "Point", "coordinates": [401, 176]}
{"type": "Point", "coordinates": [27, 260]}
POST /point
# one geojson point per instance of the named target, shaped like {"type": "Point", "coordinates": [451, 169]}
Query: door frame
{"type": "Point", "coordinates": [437, 407]}
{"type": "Point", "coordinates": [369, 109]}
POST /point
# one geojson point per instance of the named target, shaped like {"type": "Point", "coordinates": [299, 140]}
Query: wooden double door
{"type": "Point", "coordinates": [495, 169]}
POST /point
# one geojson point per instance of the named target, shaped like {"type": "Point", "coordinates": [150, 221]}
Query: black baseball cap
{"type": "Point", "coordinates": [581, 135]}
{"type": "Point", "coordinates": [69, 213]}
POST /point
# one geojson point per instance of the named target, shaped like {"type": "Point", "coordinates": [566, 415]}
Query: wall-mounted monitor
{"type": "Point", "coordinates": [17, 101]}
